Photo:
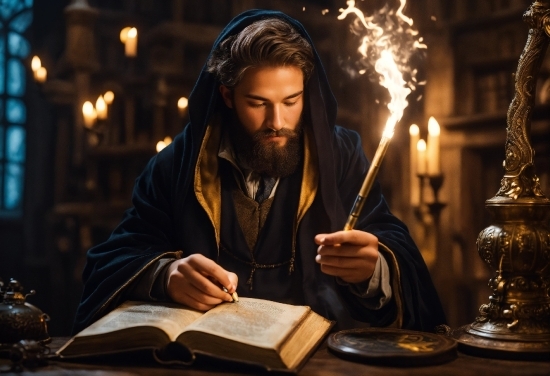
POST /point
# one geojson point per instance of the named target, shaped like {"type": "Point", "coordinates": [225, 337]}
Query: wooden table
{"type": "Point", "coordinates": [322, 363]}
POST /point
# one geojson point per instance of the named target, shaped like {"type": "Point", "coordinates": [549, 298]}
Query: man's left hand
{"type": "Point", "coordinates": [349, 255]}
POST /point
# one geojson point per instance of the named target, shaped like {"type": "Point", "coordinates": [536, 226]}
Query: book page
{"type": "Point", "coordinates": [256, 322]}
{"type": "Point", "coordinates": [171, 318]}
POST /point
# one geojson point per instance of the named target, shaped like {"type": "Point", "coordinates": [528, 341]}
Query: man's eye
{"type": "Point", "coordinates": [257, 104]}
{"type": "Point", "coordinates": [290, 104]}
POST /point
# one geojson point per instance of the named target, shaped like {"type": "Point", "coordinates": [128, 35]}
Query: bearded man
{"type": "Point", "coordinates": [252, 195]}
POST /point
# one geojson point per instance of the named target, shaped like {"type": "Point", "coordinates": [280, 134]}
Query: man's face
{"type": "Point", "coordinates": [267, 100]}
{"type": "Point", "coordinates": [268, 105]}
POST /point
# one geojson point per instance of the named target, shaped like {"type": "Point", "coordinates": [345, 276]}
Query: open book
{"type": "Point", "coordinates": [272, 335]}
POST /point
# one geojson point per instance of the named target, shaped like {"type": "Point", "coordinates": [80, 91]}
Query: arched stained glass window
{"type": "Point", "coordinates": [15, 19]}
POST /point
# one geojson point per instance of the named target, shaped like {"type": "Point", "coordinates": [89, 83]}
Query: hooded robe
{"type": "Point", "coordinates": [177, 211]}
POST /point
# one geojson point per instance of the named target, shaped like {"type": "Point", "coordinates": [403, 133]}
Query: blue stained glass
{"type": "Point", "coordinates": [21, 22]}
{"type": "Point", "coordinates": [18, 45]}
{"type": "Point", "coordinates": [16, 111]}
{"type": "Point", "coordinates": [2, 60]}
{"type": "Point", "coordinates": [1, 145]}
{"type": "Point", "coordinates": [16, 78]}
{"type": "Point", "coordinates": [15, 149]}
{"type": "Point", "coordinates": [9, 7]}
{"type": "Point", "coordinates": [13, 189]}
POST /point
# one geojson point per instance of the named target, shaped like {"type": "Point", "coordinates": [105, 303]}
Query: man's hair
{"type": "Point", "coordinates": [269, 42]}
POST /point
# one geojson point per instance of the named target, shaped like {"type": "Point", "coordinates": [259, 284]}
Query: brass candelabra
{"type": "Point", "coordinates": [515, 323]}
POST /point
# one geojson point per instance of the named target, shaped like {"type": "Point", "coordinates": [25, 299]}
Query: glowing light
{"type": "Point", "coordinates": [89, 113]}
{"type": "Point", "coordinates": [324, 11]}
{"type": "Point", "coordinates": [101, 108]}
{"type": "Point", "coordinates": [109, 97]}
{"type": "Point", "coordinates": [182, 105]}
{"type": "Point", "coordinates": [421, 147]}
{"type": "Point", "coordinates": [124, 34]}
{"type": "Point", "coordinates": [387, 46]}
{"type": "Point", "coordinates": [35, 63]}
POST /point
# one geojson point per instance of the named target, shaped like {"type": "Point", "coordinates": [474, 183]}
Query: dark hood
{"type": "Point", "coordinates": [321, 108]}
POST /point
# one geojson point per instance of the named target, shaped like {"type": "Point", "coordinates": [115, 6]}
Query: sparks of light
{"type": "Point", "coordinates": [387, 41]}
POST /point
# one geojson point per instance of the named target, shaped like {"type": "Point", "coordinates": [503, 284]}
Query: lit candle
{"type": "Point", "coordinates": [101, 108]}
{"type": "Point", "coordinates": [182, 105]}
{"type": "Point", "coordinates": [130, 45]}
{"type": "Point", "coordinates": [160, 145]}
{"type": "Point", "coordinates": [89, 114]}
{"type": "Point", "coordinates": [432, 154]}
{"type": "Point", "coordinates": [421, 148]}
{"type": "Point", "coordinates": [41, 74]}
{"type": "Point", "coordinates": [109, 97]}
{"type": "Point", "coordinates": [414, 132]}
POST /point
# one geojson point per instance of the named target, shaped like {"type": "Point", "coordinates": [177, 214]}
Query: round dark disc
{"type": "Point", "coordinates": [395, 347]}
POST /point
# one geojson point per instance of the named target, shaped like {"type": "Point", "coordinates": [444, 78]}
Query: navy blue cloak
{"type": "Point", "coordinates": [173, 215]}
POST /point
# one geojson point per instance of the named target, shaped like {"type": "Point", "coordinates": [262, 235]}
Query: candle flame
{"type": "Point", "coordinates": [414, 130]}
{"type": "Point", "coordinates": [35, 63]}
{"type": "Point", "coordinates": [182, 103]}
{"type": "Point", "coordinates": [109, 97]}
{"type": "Point", "coordinates": [433, 127]}
{"type": "Point", "coordinates": [421, 145]}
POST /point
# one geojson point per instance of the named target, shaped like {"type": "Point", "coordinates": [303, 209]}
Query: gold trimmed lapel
{"type": "Point", "coordinates": [395, 284]}
{"type": "Point", "coordinates": [310, 176]}
{"type": "Point", "coordinates": [207, 183]}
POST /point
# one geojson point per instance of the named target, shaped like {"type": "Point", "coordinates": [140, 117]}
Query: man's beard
{"type": "Point", "coordinates": [266, 157]}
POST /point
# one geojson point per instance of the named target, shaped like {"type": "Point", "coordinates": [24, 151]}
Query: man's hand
{"type": "Point", "coordinates": [197, 281]}
{"type": "Point", "coordinates": [350, 255]}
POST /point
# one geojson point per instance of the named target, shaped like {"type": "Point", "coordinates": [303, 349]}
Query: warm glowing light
{"type": "Point", "coordinates": [433, 127]}
{"type": "Point", "coordinates": [124, 34]}
{"type": "Point", "coordinates": [89, 113]}
{"type": "Point", "coordinates": [41, 74]}
{"type": "Point", "coordinates": [101, 108]}
{"type": "Point", "coordinates": [128, 36]}
{"type": "Point", "coordinates": [35, 63]}
{"type": "Point", "coordinates": [414, 130]}
{"type": "Point", "coordinates": [160, 145]}
{"type": "Point", "coordinates": [432, 151]}
{"type": "Point", "coordinates": [167, 140]}
{"type": "Point", "coordinates": [109, 97]}
{"type": "Point", "coordinates": [182, 103]}
{"type": "Point", "coordinates": [421, 148]}
{"type": "Point", "coordinates": [392, 80]}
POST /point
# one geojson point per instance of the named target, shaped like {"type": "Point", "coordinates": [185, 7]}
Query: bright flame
{"type": "Point", "coordinates": [132, 33]}
{"type": "Point", "coordinates": [414, 130]}
{"type": "Point", "coordinates": [433, 127]}
{"type": "Point", "coordinates": [387, 42]}
{"type": "Point", "coordinates": [124, 34]}
{"type": "Point", "coordinates": [421, 145]}
{"type": "Point", "coordinates": [35, 63]}
{"type": "Point", "coordinates": [109, 97]}
{"type": "Point", "coordinates": [89, 113]}
{"type": "Point", "coordinates": [392, 80]}
{"type": "Point", "coordinates": [160, 145]}
{"type": "Point", "coordinates": [182, 103]}
{"type": "Point", "coordinates": [167, 140]}
{"type": "Point", "coordinates": [101, 108]}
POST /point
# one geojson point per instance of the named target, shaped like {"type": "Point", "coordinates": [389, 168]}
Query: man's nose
{"type": "Point", "coordinates": [275, 120]}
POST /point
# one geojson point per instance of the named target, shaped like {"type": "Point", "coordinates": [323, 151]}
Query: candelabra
{"type": "Point", "coordinates": [428, 214]}
{"type": "Point", "coordinates": [516, 321]}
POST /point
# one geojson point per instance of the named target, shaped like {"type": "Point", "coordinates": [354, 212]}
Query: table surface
{"type": "Point", "coordinates": [322, 363]}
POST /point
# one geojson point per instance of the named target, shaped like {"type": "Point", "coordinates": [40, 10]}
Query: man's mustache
{"type": "Point", "coordinates": [283, 132]}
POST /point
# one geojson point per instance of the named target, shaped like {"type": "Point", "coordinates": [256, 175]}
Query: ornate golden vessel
{"type": "Point", "coordinates": [516, 321]}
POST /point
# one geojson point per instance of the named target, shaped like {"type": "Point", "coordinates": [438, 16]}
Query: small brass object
{"type": "Point", "coordinates": [20, 320]}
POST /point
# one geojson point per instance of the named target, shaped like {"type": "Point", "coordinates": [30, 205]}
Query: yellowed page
{"type": "Point", "coordinates": [169, 317]}
{"type": "Point", "coordinates": [256, 322]}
